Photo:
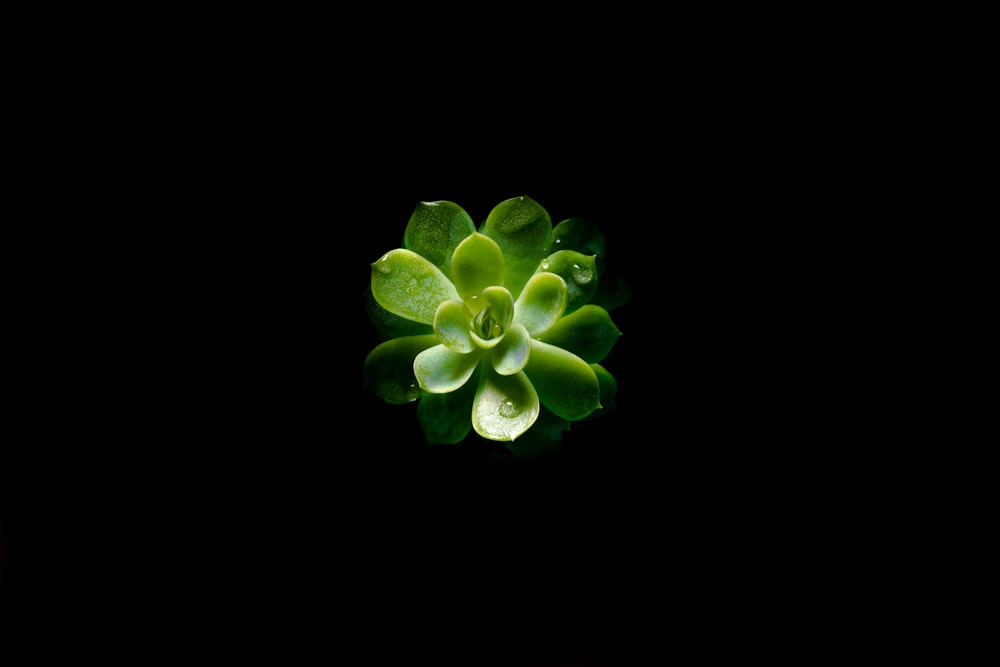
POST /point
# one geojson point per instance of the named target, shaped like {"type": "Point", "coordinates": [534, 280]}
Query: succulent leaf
{"type": "Point", "coordinates": [521, 227]}
{"type": "Point", "coordinates": [565, 383]}
{"type": "Point", "coordinates": [435, 229]}
{"type": "Point", "coordinates": [408, 285]}
{"type": "Point", "coordinates": [439, 370]}
{"type": "Point", "coordinates": [478, 263]}
{"type": "Point", "coordinates": [388, 369]}
{"type": "Point", "coordinates": [588, 333]}
{"type": "Point", "coordinates": [505, 406]}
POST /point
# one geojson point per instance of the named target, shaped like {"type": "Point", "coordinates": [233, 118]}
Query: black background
{"type": "Point", "coordinates": [227, 479]}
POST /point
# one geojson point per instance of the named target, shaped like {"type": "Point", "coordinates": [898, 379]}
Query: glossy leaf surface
{"type": "Point", "coordinates": [408, 285]}
{"type": "Point", "coordinates": [565, 383]}
{"type": "Point", "coordinates": [505, 406]}
{"type": "Point", "coordinates": [542, 302]}
{"type": "Point", "coordinates": [511, 355]}
{"type": "Point", "coordinates": [578, 270]}
{"type": "Point", "coordinates": [452, 326]}
{"type": "Point", "coordinates": [439, 370]}
{"type": "Point", "coordinates": [588, 333]}
{"type": "Point", "coordinates": [478, 263]}
{"type": "Point", "coordinates": [435, 229]}
{"type": "Point", "coordinates": [521, 227]}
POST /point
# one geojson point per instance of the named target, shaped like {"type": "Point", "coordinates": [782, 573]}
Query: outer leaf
{"type": "Point", "coordinates": [521, 227]}
{"type": "Point", "coordinates": [444, 418]}
{"type": "Point", "coordinates": [388, 369]}
{"type": "Point", "coordinates": [435, 229]}
{"type": "Point", "coordinates": [565, 383]}
{"type": "Point", "coordinates": [578, 270]}
{"type": "Point", "coordinates": [609, 388]}
{"type": "Point", "coordinates": [581, 235]}
{"type": "Point", "coordinates": [439, 370]}
{"type": "Point", "coordinates": [477, 264]}
{"type": "Point", "coordinates": [451, 325]}
{"type": "Point", "coordinates": [389, 325]}
{"type": "Point", "coordinates": [588, 333]}
{"type": "Point", "coordinates": [410, 286]}
{"type": "Point", "coordinates": [542, 302]}
{"type": "Point", "coordinates": [505, 405]}
{"type": "Point", "coordinates": [511, 355]}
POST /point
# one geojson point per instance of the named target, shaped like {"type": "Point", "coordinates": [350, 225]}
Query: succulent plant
{"type": "Point", "coordinates": [495, 329]}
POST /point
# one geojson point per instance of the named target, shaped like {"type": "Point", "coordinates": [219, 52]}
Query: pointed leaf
{"type": "Point", "coordinates": [505, 405]}
{"type": "Point", "coordinates": [542, 302]}
{"type": "Point", "coordinates": [581, 235]}
{"type": "Point", "coordinates": [521, 227]}
{"type": "Point", "coordinates": [451, 325]}
{"type": "Point", "coordinates": [435, 229]}
{"type": "Point", "coordinates": [578, 270]}
{"type": "Point", "coordinates": [410, 286]}
{"type": "Point", "coordinates": [588, 333]}
{"type": "Point", "coordinates": [565, 383]}
{"type": "Point", "coordinates": [477, 264]}
{"type": "Point", "coordinates": [511, 355]}
{"type": "Point", "coordinates": [388, 369]}
{"type": "Point", "coordinates": [439, 370]}
{"type": "Point", "coordinates": [609, 388]}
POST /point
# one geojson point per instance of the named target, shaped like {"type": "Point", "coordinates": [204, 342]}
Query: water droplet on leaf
{"type": "Point", "coordinates": [508, 409]}
{"type": "Point", "coordinates": [582, 274]}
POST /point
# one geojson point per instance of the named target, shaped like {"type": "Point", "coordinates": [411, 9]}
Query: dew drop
{"type": "Point", "coordinates": [382, 265]}
{"type": "Point", "coordinates": [545, 265]}
{"type": "Point", "coordinates": [508, 409]}
{"type": "Point", "coordinates": [582, 274]}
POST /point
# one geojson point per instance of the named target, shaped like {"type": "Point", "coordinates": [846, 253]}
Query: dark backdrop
{"type": "Point", "coordinates": [228, 478]}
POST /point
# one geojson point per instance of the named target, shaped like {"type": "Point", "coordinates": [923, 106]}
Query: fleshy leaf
{"type": "Point", "coordinates": [477, 263]}
{"type": "Point", "coordinates": [497, 313]}
{"type": "Point", "coordinates": [578, 270]}
{"type": "Point", "coordinates": [582, 236]}
{"type": "Point", "coordinates": [435, 229]}
{"type": "Point", "coordinates": [406, 284]}
{"type": "Point", "coordinates": [542, 302]}
{"type": "Point", "coordinates": [521, 228]}
{"type": "Point", "coordinates": [505, 405]}
{"type": "Point", "coordinates": [389, 325]}
{"type": "Point", "coordinates": [439, 370]}
{"type": "Point", "coordinates": [588, 333]}
{"type": "Point", "coordinates": [451, 325]}
{"type": "Point", "coordinates": [388, 369]}
{"type": "Point", "coordinates": [609, 387]}
{"type": "Point", "coordinates": [511, 355]}
{"type": "Point", "coordinates": [444, 418]}
{"type": "Point", "coordinates": [565, 383]}
{"type": "Point", "coordinates": [501, 304]}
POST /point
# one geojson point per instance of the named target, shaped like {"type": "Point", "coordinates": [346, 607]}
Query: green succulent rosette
{"type": "Point", "coordinates": [500, 329]}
